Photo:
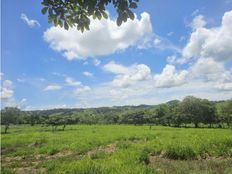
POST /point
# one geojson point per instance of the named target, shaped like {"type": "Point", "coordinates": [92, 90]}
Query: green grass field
{"type": "Point", "coordinates": [117, 149]}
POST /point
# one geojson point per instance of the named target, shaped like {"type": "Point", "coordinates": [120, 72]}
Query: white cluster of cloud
{"type": "Point", "coordinates": [170, 77]}
{"type": "Point", "coordinates": [77, 87]}
{"type": "Point", "coordinates": [87, 74]}
{"type": "Point", "coordinates": [6, 90]}
{"type": "Point", "coordinates": [198, 22]}
{"type": "Point", "coordinates": [81, 90]}
{"type": "Point", "coordinates": [30, 22]}
{"type": "Point", "coordinates": [7, 95]}
{"type": "Point", "coordinates": [53, 87]}
{"type": "Point", "coordinates": [103, 38]}
{"type": "Point", "coordinates": [208, 50]}
{"type": "Point", "coordinates": [204, 74]}
{"type": "Point", "coordinates": [126, 76]}
{"type": "Point", "coordinates": [215, 43]}
{"type": "Point", "coordinates": [71, 82]}
{"type": "Point", "coordinates": [201, 69]}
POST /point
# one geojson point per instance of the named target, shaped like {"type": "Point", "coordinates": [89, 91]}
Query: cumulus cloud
{"type": "Point", "coordinates": [157, 41]}
{"type": "Point", "coordinates": [224, 86]}
{"type": "Point", "coordinates": [211, 49]}
{"type": "Point", "coordinates": [82, 90]}
{"type": "Point", "coordinates": [116, 68]}
{"type": "Point", "coordinates": [52, 88]}
{"type": "Point", "coordinates": [170, 77]}
{"type": "Point", "coordinates": [198, 22]}
{"type": "Point", "coordinates": [87, 74]}
{"type": "Point", "coordinates": [6, 90]}
{"type": "Point", "coordinates": [207, 52]}
{"type": "Point", "coordinates": [7, 96]}
{"type": "Point", "coordinates": [104, 37]}
{"type": "Point", "coordinates": [126, 76]}
{"type": "Point", "coordinates": [215, 43]}
{"type": "Point", "coordinates": [30, 22]}
{"type": "Point", "coordinates": [208, 69]}
{"type": "Point", "coordinates": [71, 82]}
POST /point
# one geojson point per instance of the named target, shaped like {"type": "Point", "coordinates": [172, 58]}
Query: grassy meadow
{"type": "Point", "coordinates": [116, 149]}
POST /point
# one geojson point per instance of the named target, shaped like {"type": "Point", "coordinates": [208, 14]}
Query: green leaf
{"type": "Point", "coordinates": [50, 11]}
{"type": "Point", "coordinates": [82, 29]}
{"type": "Point", "coordinates": [55, 22]}
{"type": "Point", "coordinates": [60, 23]}
{"type": "Point", "coordinates": [86, 26]}
{"type": "Point", "coordinates": [44, 10]}
{"type": "Point", "coordinates": [104, 14]}
{"type": "Point", "coordinates": [94, 16]}
{"type": "Point", "coordinates": [98, 14]}
{"type": "Point", "coordinates": [131, 15]}
{"type": "Point", "coordinates": [124, 16]}
{"type": "Point", "coordinates": [119, 21]}
{"type": "Point", "coordinates": [51, 19]}
{"type": "Point", "coordinates": [66, 25]}
{"type": "Point", "coordinates": [133, 5]}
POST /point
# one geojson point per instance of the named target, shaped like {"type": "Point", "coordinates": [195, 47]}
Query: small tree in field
{"type": "Point", "coordinates": [55, 121]}
{"type": "Point", "coordinates": [9, 115]}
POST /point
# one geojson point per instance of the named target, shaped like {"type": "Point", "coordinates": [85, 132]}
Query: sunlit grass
{"type": "Point", "coordinates": [138, 149]}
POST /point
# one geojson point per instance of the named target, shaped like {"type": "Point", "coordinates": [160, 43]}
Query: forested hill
{"type": "Point", "coordinates": [191, 110]}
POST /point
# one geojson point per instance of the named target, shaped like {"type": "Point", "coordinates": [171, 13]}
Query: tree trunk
{"type": "Point", "coordinates": [6, 128]}
{"type": "Point", "coordinates": [196, 125]}
{"type": "Point", "coordinates": [64, 127]}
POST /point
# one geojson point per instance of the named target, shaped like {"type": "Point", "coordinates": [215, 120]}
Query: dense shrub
{"type": "Point", "coordinates": [180, 152]}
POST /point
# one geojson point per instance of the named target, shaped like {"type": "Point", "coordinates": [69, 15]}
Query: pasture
{"type": "Point", "coordinates": [116, 149]}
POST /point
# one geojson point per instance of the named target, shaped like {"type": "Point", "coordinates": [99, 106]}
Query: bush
{"type": "Point", "coordinates": [180, 152]}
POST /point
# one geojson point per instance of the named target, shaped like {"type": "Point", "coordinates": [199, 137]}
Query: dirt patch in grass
{"type": "Point", "coordinates": [54, 156]}
{"type": "Point", "coordinates": [162, 156]}
{"type": "Point", "coordinates": [7, 150]}
{"type": "Point", "coordinates": [108, 149]}
{"type": "Point", "coordinates": [205, 156]}
{"type": "Point", "coordinates": [213, 165]}
{"type": "Point", "coordinates": [32, 164]}
{"type": "Point", "coordinates": [29, 170]}
{"type": "Point", "coordinates": [38, 157]}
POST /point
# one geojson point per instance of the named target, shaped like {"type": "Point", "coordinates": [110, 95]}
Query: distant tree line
{"type": "Point", "coordinates": [190, 111]}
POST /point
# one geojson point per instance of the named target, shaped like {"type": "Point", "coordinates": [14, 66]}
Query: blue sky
{"type": "Point", "coordinates": [172, 49]}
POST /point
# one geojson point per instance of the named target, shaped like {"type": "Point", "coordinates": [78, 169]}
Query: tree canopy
{"type": "Point", "coordinates": [77, 13]}
{"type": "Point", "coordinates": [191, 111]}
{"type": "Point", "coordinates": [10, 115]}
